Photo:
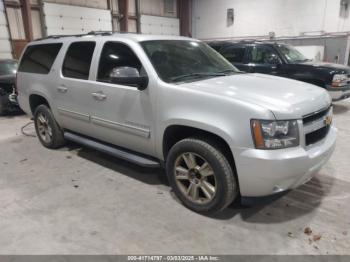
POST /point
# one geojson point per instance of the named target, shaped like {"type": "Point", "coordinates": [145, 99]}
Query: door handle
{"type": "Point", "coordinates": [62, 89]}
{"type": "Point", "coordinates": [99, 95]}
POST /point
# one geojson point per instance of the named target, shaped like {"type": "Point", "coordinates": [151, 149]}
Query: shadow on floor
{"type": "Point", "coordinates": [12, 114]}
{"type": "Point", "coordinates": [340, 109]}
{"type": "Point", "coordinates": [293, 204]}
{"type": "Point", "coordinates": [152, 176]}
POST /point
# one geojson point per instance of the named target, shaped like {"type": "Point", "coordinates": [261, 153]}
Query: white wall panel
{"type": "Point", "coordinates": [67, 19]}
{"type": "Point", "coordinates": [15, 19]}
{"type": "Point", "coordinates": [132, 26]}
{"type": "Point", "coordinates": [259, 17]}
{"type": "Point", "coordinates": [157, 8]}
{"type": "Point", "coordinates": [36, 22]}
{"type": "Point", "coordinates": [159, 25]}
{"type": "Point", "coordinates": [101, 4]}
{"type": "Point", "coordinates": [5, 45]}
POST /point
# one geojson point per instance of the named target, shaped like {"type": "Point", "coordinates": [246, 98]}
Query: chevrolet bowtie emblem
{"type": "Point", "coordinates": [328, 120]}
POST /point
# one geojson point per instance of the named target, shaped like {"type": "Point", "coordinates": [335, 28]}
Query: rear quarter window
{"type": "Point", "coordinates": [39, 59]}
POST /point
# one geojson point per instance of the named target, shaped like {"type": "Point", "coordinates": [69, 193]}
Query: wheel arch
{"type": "Point", "coordinates": [176, 132]}
{"type": "Point", "coordinates": [35, 100]}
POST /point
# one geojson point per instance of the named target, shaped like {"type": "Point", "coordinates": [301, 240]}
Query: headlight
{"type": "Point", "coordinates": [339, 80]}
{"type": "Point", "coordinates": [275, 134]}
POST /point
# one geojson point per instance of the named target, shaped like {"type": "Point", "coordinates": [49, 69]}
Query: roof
{"type": "Point", "coordinates": [248, 41]}
{"type": "Point", "coordinates": [110, 35]}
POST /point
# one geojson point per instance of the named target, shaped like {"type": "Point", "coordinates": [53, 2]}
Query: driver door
{"type": "Point", "coordinates": [265, 60]}
{"type": "Point", "coordinates": [121, 114]}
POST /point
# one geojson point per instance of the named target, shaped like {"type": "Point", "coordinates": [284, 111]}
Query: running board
{"type": "Point", "coordinates": [113, 151]}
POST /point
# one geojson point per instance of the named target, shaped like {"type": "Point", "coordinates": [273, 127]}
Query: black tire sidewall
{"type": "Point", "coordinates": [52, 122]}
{"type": "Point", "coordinates": [219, 200]}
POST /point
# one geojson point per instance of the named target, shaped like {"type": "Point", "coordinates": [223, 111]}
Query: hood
{"type": "Point", "coordinates": [286, 98]}
{"type": "Point", "coordinates": [328, 66]}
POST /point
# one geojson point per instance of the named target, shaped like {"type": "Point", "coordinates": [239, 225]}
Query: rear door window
{"type": "Point", "coordinates": [39, 59]}
{"type": "Point", "coordinates": [78, 60]}
{"type": "Point", "coordinates": [234, 54]}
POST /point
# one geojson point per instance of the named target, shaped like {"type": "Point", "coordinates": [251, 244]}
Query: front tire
{"type": "Point", "coordinates": [48, 131]}
{"type": "Point", "coordinates": [201, 175]}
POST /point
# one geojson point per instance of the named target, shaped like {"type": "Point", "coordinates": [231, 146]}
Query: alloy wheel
{"type": "Point", "coordinates": [44, 128]}
{"type": "Point", "coordinates": [195, 178]}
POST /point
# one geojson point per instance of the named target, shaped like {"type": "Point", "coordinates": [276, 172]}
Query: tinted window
{"type": "Point", "coordinates": [179, 60]}
{"type": "Point", "coordinates": [78, 60]}
{"type": "Point", "coordinates": [39, 58]}
{"type": "Point", "coordinates": [216, 47]}
{"type": "Point", "coordinates": [261, 54]}
{"type": "Point", "coordinates": [292, 54]}
{"type": "Point", "coordinates": [116, 55]}
{"type": "Point", "coordinates": [234, 54]}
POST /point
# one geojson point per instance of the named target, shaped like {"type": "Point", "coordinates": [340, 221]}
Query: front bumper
{"type": "Point", "coordinates": [339, 93]}
{"type": "Point", "coordinates": [267, 172]}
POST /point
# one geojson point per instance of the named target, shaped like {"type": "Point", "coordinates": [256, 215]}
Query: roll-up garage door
{"type": "Point", "coordinates": [5, 44]}
{"type": "Point", "coordinates": [67, 19]}
{"type": "Point", "coordinates": [160, 25]}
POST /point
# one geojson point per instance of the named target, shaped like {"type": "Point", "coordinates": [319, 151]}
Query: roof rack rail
{"type": "Point", "coordinates": [249, 40]}
{"type": "Point", "coordinates": [102, 33]}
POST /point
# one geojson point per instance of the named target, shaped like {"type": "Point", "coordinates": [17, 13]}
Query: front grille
{"type": "Point", "coordinates": [314, 137]}
{"type": "Point", "coordinates": [315, 116]}
{"type": "Point", "coordinates": [316, 126]}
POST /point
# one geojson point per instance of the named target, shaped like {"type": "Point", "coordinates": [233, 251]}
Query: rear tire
{"type": "Point", "coordinates": [48, 131]}
{"type": "Point", "coordinates": [201, 175]}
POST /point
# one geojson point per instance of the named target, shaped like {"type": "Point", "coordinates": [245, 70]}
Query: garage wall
{"type": "Point", "coordinates": [166, 8]}
{"type": "Point", "coordinates": [5, 45]}
{"type": "Point", "coordinates": [259, 17]}
{"type": "Point", "coordinates": [159, 25]}
{"type": "Point", "coordinates": [100, 4]}
{"type": "Point", "coordinates": [68, 19]}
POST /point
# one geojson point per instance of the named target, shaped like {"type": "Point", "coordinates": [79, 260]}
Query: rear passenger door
{"type": "Point", "coordinates": [73, 90]}
{"type": "Point", "coordinates": [236, 55]}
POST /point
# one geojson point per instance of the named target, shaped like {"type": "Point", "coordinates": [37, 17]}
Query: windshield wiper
{"type": "Point", "coordinates": [176, 78]}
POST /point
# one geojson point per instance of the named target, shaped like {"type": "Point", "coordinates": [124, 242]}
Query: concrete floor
{"type": "Point", "coordinates": [79, 201]}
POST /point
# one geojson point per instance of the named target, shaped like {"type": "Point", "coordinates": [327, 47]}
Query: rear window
{"type": "Point", "coordinates": [38, 59]}
{"type": "Point", "coordinates": [78, 60]}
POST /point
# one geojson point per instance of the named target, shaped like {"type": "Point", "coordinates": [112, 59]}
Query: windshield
{"type": "Point", "coordinates": [180, 61]}
{"type": "Point", "coordinates": [8, 67]}
{"type": "Point", "coordinates": [292, 55]}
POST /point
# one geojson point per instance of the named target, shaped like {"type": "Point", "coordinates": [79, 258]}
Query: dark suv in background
{"type": "Point", "coordinates": [285, 61]}
{"type": "Point", "coordinates": [8, 97]}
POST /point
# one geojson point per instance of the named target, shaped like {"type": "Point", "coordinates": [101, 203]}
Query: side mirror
{"type": "Point", "coordinates": [129, 76]}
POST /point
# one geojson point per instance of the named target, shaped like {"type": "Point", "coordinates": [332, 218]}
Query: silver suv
{"type": "Point", "coordinates": [156, 100]}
